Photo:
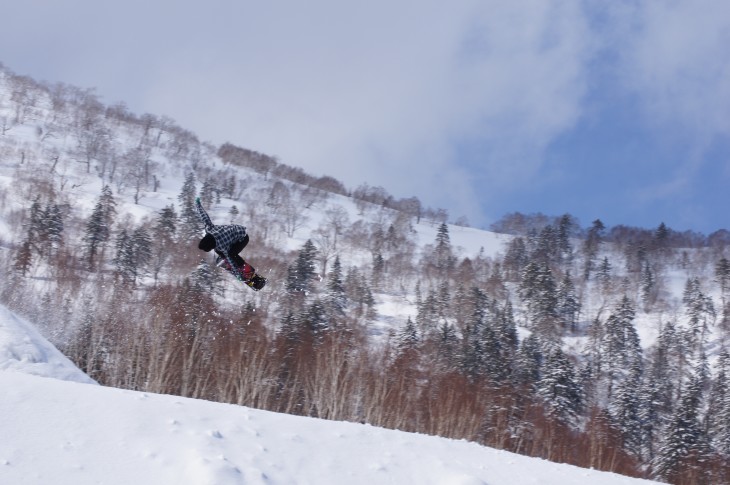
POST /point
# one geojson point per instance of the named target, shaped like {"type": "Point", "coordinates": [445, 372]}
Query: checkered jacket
{"type": "Point", "coordinates": [225, 235]}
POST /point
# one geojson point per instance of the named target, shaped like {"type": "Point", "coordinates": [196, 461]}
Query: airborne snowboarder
{"type": "Point", "coordinates": [227, 241]}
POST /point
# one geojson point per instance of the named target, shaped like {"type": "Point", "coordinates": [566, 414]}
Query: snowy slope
{"type": "Point", "coordinates": [23, 349]}
{"type": "Point", "coordinates": [58, 431]}
{"type": "Point", "coordinates": [69, 433]}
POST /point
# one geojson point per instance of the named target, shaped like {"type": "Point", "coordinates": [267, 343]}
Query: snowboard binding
{"type": "Point", "coordinates": [245, 273]}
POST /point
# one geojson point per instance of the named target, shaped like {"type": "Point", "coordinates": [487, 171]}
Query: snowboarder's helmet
{"type": "Point", "coordinates": [207, 243]}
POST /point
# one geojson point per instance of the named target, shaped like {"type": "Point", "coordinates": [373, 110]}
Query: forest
{"type": "Point", "coordinates": [603, 347]}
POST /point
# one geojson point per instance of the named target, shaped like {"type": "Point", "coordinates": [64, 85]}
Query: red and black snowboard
{"type": "Point", "coordinates": [245, 273]}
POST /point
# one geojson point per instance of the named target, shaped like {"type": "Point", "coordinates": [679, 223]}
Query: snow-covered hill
{"type": "Point", "coordinates": [23, 349]}
{"type": "Point", "coordinates": [63, 432]}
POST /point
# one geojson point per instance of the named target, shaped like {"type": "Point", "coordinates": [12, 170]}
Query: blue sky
{"type": "Point", "coordinates": [614, 110]}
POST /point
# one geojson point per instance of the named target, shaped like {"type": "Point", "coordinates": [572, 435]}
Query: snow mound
{"type": "Point", "coordinates": [23, 349]}
{"type": "Point", "coordinates": [68, 433]}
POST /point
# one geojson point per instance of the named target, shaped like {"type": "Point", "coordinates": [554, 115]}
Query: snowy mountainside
{"type": "Point", "coordinates": [580, 332]}
{"type": "Point", "coordinates": [64, 432]}
{"type": "Point", "coordinates": [45, 152]}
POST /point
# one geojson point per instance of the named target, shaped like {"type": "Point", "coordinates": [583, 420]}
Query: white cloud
{"type": "Point", "coordinates": [454, 102]}
{"type": "Point", "coordinates": [388, 93]}
{"type": "Point", "coordinates": [679, 62]}
{"type": "Point", "coordinates": [676, 62]}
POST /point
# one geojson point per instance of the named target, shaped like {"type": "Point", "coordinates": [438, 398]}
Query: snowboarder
{"type": "Point", "coordinates": [226, 240]}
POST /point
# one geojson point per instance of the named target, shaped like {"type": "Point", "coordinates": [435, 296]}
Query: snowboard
{"type": "Point", "coordinates": [246, 271]}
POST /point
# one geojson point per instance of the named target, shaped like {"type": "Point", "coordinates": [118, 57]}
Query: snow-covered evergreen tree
{"type": "Point", "coordinates": [190, 224]}
{"type": "Point", "coordinates": [53, 226]}
{"type": "Point", "coordinates": [443, 258]}
{"type": "Point", "coordinates": [336, 298]}
{"type": "Point", "coordinates": [407, 339]}
{"type": "Point", "coordinates": [303, 271]}
{"type": "Point", "coordinates": [558, 387]}
{"type": "Point", "coordinates": [568, 302]}
{"type": "Point", "coordinates": [685, 444]}
{"type": "Point", "coordinates": [699, 309]}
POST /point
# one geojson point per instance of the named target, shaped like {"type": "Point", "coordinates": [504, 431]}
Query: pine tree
{"type": "Point", "coordinates": [407, 339]}
{"type": "Point", "coordinates": [528, 362]}
{"type": "Point", "coordinates": [558, 387]}
{"type": "Point", "coordinates": [663, 369]}
{"type": "Point", "coordinates": [489, 339]}
{"type": "Point", "coordinates": [516, 258]}
{"type": "Point", "coordinates": [538, 290]}
{"type": "Point", "coordinates": [593, 351]}
{"type": "Point", "coordinates": [447, 348]}
{"type": "Point", "coordinates": [661, 237]}
{"type": "Point", "coordinates": [548, 246]}
{"type": "Point", "coordinates": [36, 233]}
{"type": "Point", "coordinates": [53, 226]}
{"type": "Point", "coordinates": [591, 246]}
{"type": "Point", "coordinates": [133, 254]}
{"type": "Point", "coordinates": [699, 308]}
{"type": "Point", "coordinates": [190, 225]}
{"type": "Point", "coordinates": [303, 271]}
{"type": "Point", "coordinates": [108, 205]}
{"type": "Point", "coordinates": [229, 186]}
{"type": "Point", "coordinates": [496, 359]}
{"type": "Point", "coordinates": [290, 334]}
{"type": "Point", "coordinates": [471, 358]}
{"type": "Point", "coordinates": [359, 293]}
{"type": "Point", "coordinates": [124, 259]}
{"type": "Point", "coordinates": [625, 409]}
{"type": "Point", "coordinates": [23, 258]}
{"type": "Point", "coordinates": [528, 289]}
{"type": "Point", "coordinates": [507, 331]}
{"type": "Point", "coordinates": [427, 314]}
{"type": "Point", "coordinates": [565, 228]}
{"type": "Point", "coordinates": [443, 300]}
{"type": "Point", "coordinates": [622, 347]}
{"type": "Point", "coordinates": [648, 283]}
{"type": "Point", "coordinates": [379, 266]}
{"type": "Point", "coordinates": [166, 225]}
{"type": "Point", "coordinates": [718, 412]}
{"type": "Point", "coordinates": [97, 231]}
{"type": "Point", "coordinates": [442, 256]}
{"type": "Point", "coordinates": [722, 277]}
{"type": "Point", "coordinates": [163, 239]}
{"type": "Point", "coordinates": [568, 304]}
{"type": "Point", "coordinates": [649, 417]}
{"type": "Point", "coordinates": [206, 279]}
{"type": "Point", "coordinates": [336, 299]}
{"type": "Point", "coordinates": [604, 274]}
{"type": "Point", "coordinates": [95, 234]}
{"type": "Point", "coordinates": [685, 443]}
{"type": "Point", "coordinates": [315, 321]}
{"type": "Point", "coordinates": [142, 250]}
{"type": "Point", "coordinates": [207, 193]}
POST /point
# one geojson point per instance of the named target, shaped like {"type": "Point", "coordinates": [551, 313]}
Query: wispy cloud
{"type": "Point", "coordinates": [677, 64]}
{"type": "Point", "coordinates": [458, 103]}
